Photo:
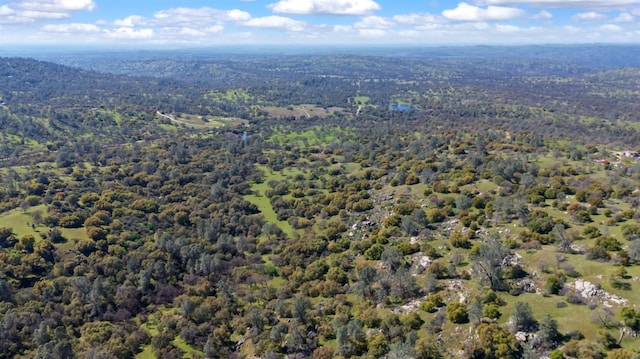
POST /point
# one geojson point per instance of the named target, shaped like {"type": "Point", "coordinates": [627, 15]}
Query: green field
{"type": "Point", "coordinates": [202, 122]}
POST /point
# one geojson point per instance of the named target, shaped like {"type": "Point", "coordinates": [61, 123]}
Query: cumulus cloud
{"type": "Point", "coordinates": [57, 5]}
{"type": "Point", "coordinates": [129, 33]}
{"type": "Point", "coordinates": [373, 22]}
{"type": "Point", "coordinates": [325, 7]}
{"type": "Point", "coordinates": [610, 28]}
{"type": "Point", "coordinates": [276, 22]}
{"type": "Point", "coordinates": [341, 28]}
{"type": "Point", "coordinates": [466, 12]}
{"type": "Point", "coordinates": [583, 4]}
{"type": "Point", "coordinates": [588, 16]}
{"type": "Point", "coordinates": [373, 33]}
{"type": "Point", "coordinates": [131, 21]}
{"type": "Point", "coordinates": [187, 31]}
{"type": "Point", "coordinates": [416, 19]}
{"type": "Point", "coordinates": [191, 16]}
{"type": "Point", "coordinates": [543, 15]}
{"type": "Point", "coordinates": [34, 10]}
{"type": "Point", "coordinates": [624, 17]}
{"type": "Point", "coordinates": [5, 10]}
{"type": "Point", "coordinates": [507, 28]}
{"type": "Point", "coordinates": [44, 15]}
{"type": "Point", "coordinates": [213, 29]}
{"type": "Point", "coordinates": [71, 28]}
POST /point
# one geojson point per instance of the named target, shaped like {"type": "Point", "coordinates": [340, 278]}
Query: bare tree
{"type": "Point", "coordinates": [488, 262]}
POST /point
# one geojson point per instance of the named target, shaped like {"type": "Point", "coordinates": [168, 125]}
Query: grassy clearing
{"type": "Point", "coordinates": [361, 100]}
{"type": "Point", "coordinates": [20, 221]}
{"type": "Point", "coordinates": [202, 122]}
{"type": "Point", "coordinates": [576, 316]}
{"type": "Point", "coordinates": [233, 95]}
{"type": "Point", "coordinates": [74, 233]}
{"type": "Point", "coordinates": [263, 203]}
{"type": "Point", "coordinates": [486, 186]}
{"type": "Point", "coordinates": [151, 328]}
{"type": "Point", "coordinates": [298, 111]}
{"type": "Point", "coordinates": [569, 317]}
{"type": "Point", "coordinates": [313, 136]}
{"type": "Point", "coordinates": [146, 353]}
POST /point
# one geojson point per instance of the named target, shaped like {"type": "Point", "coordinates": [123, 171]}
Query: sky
{"type": "Point", "coordinates": [199, 23]}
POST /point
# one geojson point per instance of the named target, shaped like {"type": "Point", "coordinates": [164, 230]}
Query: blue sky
{"type": "Point", "coordinates": [162, 23]}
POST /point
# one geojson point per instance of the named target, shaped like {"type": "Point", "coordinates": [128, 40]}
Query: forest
{"type": "Point", "coordinates": [473, 202]}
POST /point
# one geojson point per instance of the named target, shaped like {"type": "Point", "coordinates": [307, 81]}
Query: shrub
{"type": "Point", "coordinates": [597, 253]}
{"type": "Point", "coordinates": [491, 311]}
{"type": "Point", "coordinates": [70, 221]}
{"type": "Point", "coordinates": [459, 240]}
{"type": "Point", "coordinates": [457, 313]}
{"type": "Point", "coordinates": [374, 253]}
{"type": "Point", "coordinates": [608, 243]}
{"type": "Point", "coordinates": [554, 284]}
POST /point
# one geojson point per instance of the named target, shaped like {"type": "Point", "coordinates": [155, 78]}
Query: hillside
{"type": "Point", "coordinates": [493, 214]}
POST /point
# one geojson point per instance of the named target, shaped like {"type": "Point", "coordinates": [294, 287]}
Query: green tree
{"type": "Point", "coordinates": [494, 342]}
{"type": "Point", "coordinates": [457, 313]}
{"type": "Point", "coordinates": [378, 346]}
{"type": "Point", "coordinates": [522, 318]}
{"type": "Point", "coordinates": [548, 335]}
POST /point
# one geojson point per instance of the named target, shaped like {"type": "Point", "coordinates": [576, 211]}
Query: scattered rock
{"type": "Point", "coordinates": [592, 291]}
{"type": "Point", "coordinates": [527, 285]}
{"type": "Point", "coordinates": [513, 260]}
{"type": "Point", "coordinates": [521, 336]}
{"type": "Point", "coordinates": [577, 248]}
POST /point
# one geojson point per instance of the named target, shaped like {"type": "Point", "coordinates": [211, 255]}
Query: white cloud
{"type": "Point", "coordinates": [610, 28]}
{"type": "Point", "coordinates": [57, 5]}
{"type": "Point", "coordinates": [15, 19]}
{"type": "Point", "coordinates": [466, 12]}
{"type": "Point", "coordinates": [588, 16]}
{"type": "Point", "coordinates": [373, 33]}
{"type": "Point", "coordinates": [187, 31]}
{"type": "Point", "coordinates": [582, 4]}
{"type": "Point", "coordinates": [276, 22]}
{"type": "Point", "coordinates": [192, 16]}
{"type": "Point", "coordinates": [416, 19]}
{"type": "Point", "coordinates": [624, 17]}
{"type": "Point", "coordinates": [213, 29]}
{"type": "Point", "coordinates": [543, 15]}
{"type": "Point", "coordinates": [507, 28]}
{"type": "Point", "coordinates": [373, 22]}
{"type": "Point", "coordinates": [342, 28]}
{"type": "Point", "coordinates": [571, 29]}
{"type": "Point", "coordinates": [44, 15]}
{"type": "Point", "coordinates": [237, 15]}
{"type": "Point", "coordinates": [131, 21]}
{"type": "Point", "coordinates": [33, 10]}
{"type": "Point", "coordinates": [129, 33]}
{"type": "Point", "coordinates": [73, 28]}
{"type": "Point", "coordinates": [325, 7]}
{"type": "Point", "coordinates": [5, 10]}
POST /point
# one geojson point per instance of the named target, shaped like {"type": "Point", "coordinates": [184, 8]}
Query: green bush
{"type": "Point", "coordinates": [457, 313]}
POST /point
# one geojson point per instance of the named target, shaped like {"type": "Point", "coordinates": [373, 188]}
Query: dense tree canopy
{"type": "Point", "coordinates": [278, 206]}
